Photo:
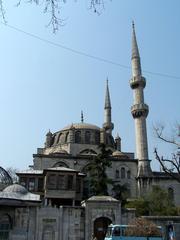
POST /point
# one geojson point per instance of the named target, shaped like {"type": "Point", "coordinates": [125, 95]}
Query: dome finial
{"type": "Point", "coordinates": [82, 116]}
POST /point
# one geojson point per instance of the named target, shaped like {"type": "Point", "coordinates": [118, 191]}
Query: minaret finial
{"type": "Point", "coordinates": [133, 25]}
{"type": "Point", "coordinates": [82, 116]}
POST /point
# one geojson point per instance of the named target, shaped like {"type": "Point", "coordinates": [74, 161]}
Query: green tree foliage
{"type": "Point", "coordinates": [97, 169]}
{"type": "Point", "coordinates": [120, 192]}
{"type": "Point", "coordinates": [155, 203]}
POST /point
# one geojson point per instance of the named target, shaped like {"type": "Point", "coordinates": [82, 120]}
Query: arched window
{"type": "Point", "coordinates": [48, 233]}
{"type": "Point", "coordinates": [97, 138]}
{"type": "Point", "coordinates": [5, 226]}
{"type": "Point", "coordinates": [66, 137]}
{"type": "Point", "coordinates": [128, 174]}
{"type": "Point", "coordinates": [87, 137]}
{"type": "Point", "coordinates": [57, 138]}
{"type": "Point", "coordinates": [60, 164]}
{"type": "Point", "coordinates": [171, 193]}
{"type": "Point", "coordinates": [122, 172]}
{"type": "Point", "coordinates": [78, 137]}
{"type": "Point", "coordinates": [117, 174]}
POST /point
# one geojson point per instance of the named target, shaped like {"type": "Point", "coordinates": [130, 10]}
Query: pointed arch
{"type": "Point", "coordinates": [60, 164]}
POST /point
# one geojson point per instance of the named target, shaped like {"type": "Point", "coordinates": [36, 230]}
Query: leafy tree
{"type": "Point", "coordinates": [120, 192]}
{"type": "Point", "coordinates": [160, 203]}
{"type": "Point", "coordinates": [170, 166]}
{"type": "Point", "coordinates": [54, 7]}
{"type": "Point", "coordinates": [142, 228]}
{"type": "Point", "coordinates": [97, 170]}
{"type": "Point", "coordinates": [155, 203]}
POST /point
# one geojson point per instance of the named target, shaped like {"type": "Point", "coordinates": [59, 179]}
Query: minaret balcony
{"type": "Point", "coordinates": [108, 126]}
{"type": "Point", "coordinates": [137, 81]}
{"type": "Point", "coordinates": [139, 110]}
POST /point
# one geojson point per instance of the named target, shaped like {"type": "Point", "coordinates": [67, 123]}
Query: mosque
{"type": "Point", "coordinates": [53, 199]}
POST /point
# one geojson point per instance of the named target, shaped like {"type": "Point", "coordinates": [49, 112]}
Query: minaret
{"type": "Point", "coordinates": [108, 125]}
{"type": "Point", "coordinates": [139, 110]}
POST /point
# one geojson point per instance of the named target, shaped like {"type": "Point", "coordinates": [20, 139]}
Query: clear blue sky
{"type": "Point", "coordinates": [45, 87]}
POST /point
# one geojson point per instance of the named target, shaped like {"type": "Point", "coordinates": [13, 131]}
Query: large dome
{"type": "Point", "coordinates": [5, 178]}
{"type": "Point", "coordinates": [81, 126]}
{"type": "Point", "coordinates": [81, 133]}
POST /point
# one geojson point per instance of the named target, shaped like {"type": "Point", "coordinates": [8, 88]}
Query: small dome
{"type": "Point", "coordinates": [5, 178]}
{"type": "Point", "coordinates": [119, 154]}
{"type": "Point", "coordinates": [16, 188]}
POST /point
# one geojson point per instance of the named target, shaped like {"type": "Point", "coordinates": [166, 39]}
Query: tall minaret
{"type": "Point", "coordinates": [139, 110]}
{"type": "Point", "coordinates": [108, 125]}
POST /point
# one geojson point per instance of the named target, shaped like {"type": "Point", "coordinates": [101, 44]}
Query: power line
{"type": "Point", "coordinates": [84, 53]}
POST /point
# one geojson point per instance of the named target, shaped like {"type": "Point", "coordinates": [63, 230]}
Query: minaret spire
{"type": "Point", "coordinates": [107, 97]}
{"type": "Point", "coordinates": [136, 67]}
{"type": "Point", "coordinates": [108, 125]}
{"type": "Point", "coordinates": [139, 110]}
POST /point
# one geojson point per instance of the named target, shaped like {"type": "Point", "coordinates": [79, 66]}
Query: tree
{"type": "Point", "coordinates": [97, 170]}
{"type": "Point", "coordinates": [142, 228]}
{"type": "Point", "coordinates": [120, 192]}
{"type": "Point", "coordinates": [53, 7]}
{"type": "Point", "coordinates": [170, 166]}
{"type": "Point", "coordinates": [12, 172]}
{"type": "Point", "coordinates": [156, 203]}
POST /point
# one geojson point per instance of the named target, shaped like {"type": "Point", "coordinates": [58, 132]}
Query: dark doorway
{"type": "Point", "coordinates": [100, 227]}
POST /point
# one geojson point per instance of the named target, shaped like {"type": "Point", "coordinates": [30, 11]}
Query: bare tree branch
{"type": "Point", "coordinates": [166, 169]}
{"type": "Point", "coordinates": [2, 11]}
{"type": "Point", "coordinates": [53, 7]}
{"type": "Point", "coordinates": [159, 131]}
{"type": "Point", "coordinates": [174, 170]}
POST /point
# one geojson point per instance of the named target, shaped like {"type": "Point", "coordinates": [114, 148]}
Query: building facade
{"type": "Point", "coordinates": [54, 200]}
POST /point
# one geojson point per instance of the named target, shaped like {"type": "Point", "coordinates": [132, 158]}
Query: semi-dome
{"type": "Point", "coordinates": [5, 178]}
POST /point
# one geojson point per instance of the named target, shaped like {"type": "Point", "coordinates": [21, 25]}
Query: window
{"type": "Point", "coordinates": [87, 137]}
{"type": "Point", "coordinates": [61, 182]}
{"type": "Point", "coordinates": [40, 184]}
{"type": "Point", "coordinates": [31, 185]}
{"type": "Point", "coordinates": [57, 138]}
{"type": "Point", "coordinates": [122, 172]}
{"type": "Point", "coordinates": [116, 231]}
{"type": "Point", "coordinates": [97, 138]}
{"type": "Point", "coordinates": [4, 227]}
{"type": "Point", "coordinates": [78, 137]}
{"type": "Point", "coordinates": [128, 174]}
{"type": "Point", "coordinates": [117, 174]}
{"type": "Point", "coordinates": [23, 181]}
{"type": "Point", "coordinates": [70, 182]}
{"type": "Point", "coordinates": [78, 185]}
{"type": "Point", "coordinates": [51, 182]}
{"type": "Point", "coordinates": [66, 137]}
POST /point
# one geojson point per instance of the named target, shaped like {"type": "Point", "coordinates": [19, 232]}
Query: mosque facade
{"type": "Point", "coordinates": [53, 199]}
